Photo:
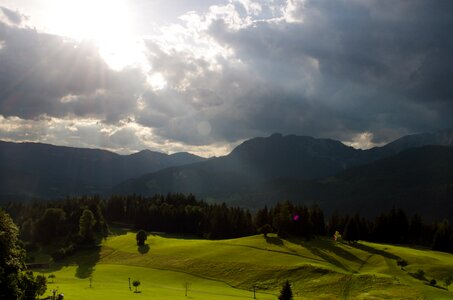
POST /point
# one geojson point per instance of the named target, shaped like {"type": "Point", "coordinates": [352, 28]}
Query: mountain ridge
{"type": "Point", "coordinates": [265, 159]}
{"type": "Point", "coordinates": [29, 170]}
{"type": "Point", "coordinates": [259, 170]}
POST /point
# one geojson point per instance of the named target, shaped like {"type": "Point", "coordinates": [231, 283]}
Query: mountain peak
{"type": "Point", "coordinates": [442, 137]}
{"type": "Point", "coordinates": [276, 136]}
{"type": "Point", "coordinates": [147, 151]}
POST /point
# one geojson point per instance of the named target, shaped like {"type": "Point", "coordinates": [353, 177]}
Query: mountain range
{"type": "Point", "coordinates": [411, 172]}
{"type": "Point", "coordinates": [34, 170]}
{"type": "Point", "coordinates": [305, 169]}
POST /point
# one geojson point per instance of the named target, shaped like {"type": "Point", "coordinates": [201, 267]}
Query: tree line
{"type": "Point", "coordinates": [81, 221]}
{"type": "Point", "coordinates": [393, 226]}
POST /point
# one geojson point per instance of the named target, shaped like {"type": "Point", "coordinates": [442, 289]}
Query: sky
{"type": "Point", "coordinates": [202, 76]}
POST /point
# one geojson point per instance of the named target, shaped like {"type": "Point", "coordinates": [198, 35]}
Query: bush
{"type": "Point", "coordinates": [52, 277]}
{"type": "Point", "coordinates": [32, 286]}
{"type": "Point", "coordinates": [447, 281]}
{"type": "Point", "coordinates": [433, 282]}
{"type": "Point", "coordinates": [402, 263]}
{"type": "Point", "coordinates": [136, 283]}
{"type": "Point", "coordinates": [265, 229]}
{"type": "Point", "coordinates": [141, 237]}
{"type": "Point", "coordinates": [420, 274]}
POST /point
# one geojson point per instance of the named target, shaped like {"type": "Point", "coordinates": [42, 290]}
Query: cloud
{"type": "Point", "coordinates": [350, 66]}
{"type": "Point", "coordinates": [125, 138]}
{"type": "Point", "coordinates": [364, 72]}
{"type": "Point", "coordinates": [363, 141]}
{"type": "Point", "coordinates": [12, 17]}
{"type": "Point", "coordinates": [47, 74]}
{"type": "Point", "coordinates": [319, 68]}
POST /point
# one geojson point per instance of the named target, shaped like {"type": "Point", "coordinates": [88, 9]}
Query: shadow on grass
{"type": "Point", "coordinates": [274, 240]}
{"type": "Point", "coordinates": [143, 249]}
{"type": "Point", "coordinates": [423, 278]}
{"type": "Point", "coordinates": [85, 259]}
{"type": "Point", "coordinates": [321, 248]}
{"type": "Point", "coordinates": [346, 254]}
{"type": "Point", "coordinates": [436, 286]}
{"type": "Point", "coordinates": [322, 254]}
{"type": "Point", "coordinates": [375, 251]}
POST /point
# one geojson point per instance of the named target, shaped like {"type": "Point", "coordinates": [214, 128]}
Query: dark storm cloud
{"type": "Point", "coordinates": [315, 67]}
{"type": "Point", "coordinates": [13, 16]}
{"type": "Point", "coordinates": [47, 74]}
{"type": "Point", "coordinates": [381, 64]}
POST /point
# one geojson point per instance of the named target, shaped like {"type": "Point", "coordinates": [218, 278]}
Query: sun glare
{"type": "Point", "coordinates": [107, 22]}
{"type": "Point", "coordinates": [156, 81]}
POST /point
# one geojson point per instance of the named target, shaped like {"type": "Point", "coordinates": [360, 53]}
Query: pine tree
{"type": "Point", "coordinates": [86, 225]}
{"type": "Point", "coordinates": [351, 232]}
{"type": "Point", "coordinates": [51, 226]}
{"type": "Point", "coordinates": [286, 292]}
{"type": "Point", "coordinates": [442, 240]}
{"type": "Point", "coordinates": [317, 220]}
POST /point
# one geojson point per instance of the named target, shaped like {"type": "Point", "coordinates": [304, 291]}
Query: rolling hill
{"type": "Point", "coordinates": [228, 269]}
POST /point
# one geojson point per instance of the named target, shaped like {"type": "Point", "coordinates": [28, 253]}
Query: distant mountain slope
{"type": "Point", "coordinates": [254, 161]}
{"type": "Point", "coordinates": [257, 171]}
{"type": "Point", "coordinates": [42, 170]}
{"type": "Point", "coordinates": [419, 180]}
{"type": "Point", "coordinates": [440, 138]}
{"type": "Point", "coordinates": [283, 167]}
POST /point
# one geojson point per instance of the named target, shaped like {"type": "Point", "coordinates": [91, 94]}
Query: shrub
{"type": "Point", "coordinates": [136, 283]}
{"type": "Point", "coordinates": [402, 263]}
{"type": "Point", "coordinates": [420, 274]}
{"type": "Point", "coordinates": [433, 282]}
{"type": "Point", "coordinates": [447, 281]}
{"type": "Point", "coordinates": [265, 229]}
{"type": "Point", "coordinates": [141, 237]}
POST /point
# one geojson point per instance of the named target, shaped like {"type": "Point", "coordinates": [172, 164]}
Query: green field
{"type": "Point", "coordinates": [228, 269]}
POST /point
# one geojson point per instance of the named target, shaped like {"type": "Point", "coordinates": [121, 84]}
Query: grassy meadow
{"type": "Point", "coordinates": [229, 269]}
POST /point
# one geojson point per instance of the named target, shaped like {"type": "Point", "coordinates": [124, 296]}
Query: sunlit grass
{"type": "Point", "coordinates": [226, 269]}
